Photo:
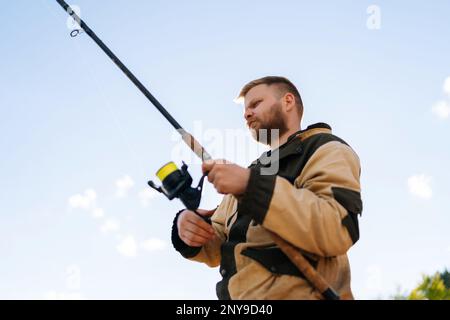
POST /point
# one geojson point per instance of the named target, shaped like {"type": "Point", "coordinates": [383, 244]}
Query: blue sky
{"type": "Point", "coordinates": [78, 141]}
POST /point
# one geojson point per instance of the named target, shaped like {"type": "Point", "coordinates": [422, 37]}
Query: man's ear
{"type": "Point", "coordinates": [289, 102]}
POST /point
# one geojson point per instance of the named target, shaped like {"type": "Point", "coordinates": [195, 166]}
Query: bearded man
{"type": "Point", "coordinates": [306, 189]}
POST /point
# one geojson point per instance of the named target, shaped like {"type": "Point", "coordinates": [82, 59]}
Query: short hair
{"type": "Point", "coordinates": [284, 85]}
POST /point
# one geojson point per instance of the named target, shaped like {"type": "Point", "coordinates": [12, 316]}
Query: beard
{"type": "Point", "coordinates": [269, 130]}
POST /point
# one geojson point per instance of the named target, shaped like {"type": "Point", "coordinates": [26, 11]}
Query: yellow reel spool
{"type": "Point", "coordinates": [166, 170]}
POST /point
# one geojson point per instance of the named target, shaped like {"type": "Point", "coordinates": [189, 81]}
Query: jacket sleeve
{"type": "Point", "coordinates": [319, 212]}
{"type": "Point", "coordinates": [210, 252]}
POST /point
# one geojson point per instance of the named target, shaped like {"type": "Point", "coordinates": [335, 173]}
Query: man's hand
{"type": "Point", "coordinates": [227, 177]}
{"type": "Point", "coordinates": [193, 230]}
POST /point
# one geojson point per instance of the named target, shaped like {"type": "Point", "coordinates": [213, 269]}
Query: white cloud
{"type": "Point", "coordinates": [123, 185]}
{"type": "Point", "coordinates": [419, 186]}
{"type": "Point", "coordinates": [447, 86]}
{"type": "Point", "coordinates": [441, 109]}
{"type": "Point", "coordinates": [110, 225]}
{"type": "Point", "coordinates": [54, 295]}
{"type": "Point", "coordinates": [85, 201]}
{"type": "Point", "coordinates": [91, 194]}
{"type": "Point", "coordinates": [146, 195]}
{"type": "Point", "coordinates": [98, 213]}
{"type": "Point", "coordinates": [128, 247]}
{"type": "Point", "coordinates": [153, 244]}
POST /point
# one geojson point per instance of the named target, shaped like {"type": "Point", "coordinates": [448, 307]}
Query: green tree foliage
{"type": "Point", "coordinates": [445, 276]}
{"type": "Point", "coordinates": [435, 287]}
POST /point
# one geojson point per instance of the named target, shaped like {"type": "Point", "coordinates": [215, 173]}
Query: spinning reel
{"type": "Point", "coordinates": [177, 183]}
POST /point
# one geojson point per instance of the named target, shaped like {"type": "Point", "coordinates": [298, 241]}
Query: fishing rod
{"type": "Point", "coordinates": [177, 183]}
{"type": "Point", "coordinates": [193, 144]}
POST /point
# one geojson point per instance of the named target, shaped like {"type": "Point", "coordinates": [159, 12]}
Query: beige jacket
{"type": "Point", "coordinates": [313, 202]}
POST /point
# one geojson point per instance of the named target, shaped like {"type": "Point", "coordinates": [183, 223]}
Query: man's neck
{"type": "Point", "coordinates": [283, 138]}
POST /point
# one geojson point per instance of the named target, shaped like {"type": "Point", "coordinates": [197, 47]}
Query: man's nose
{"type": "Point", "coordinates": [248, 114]}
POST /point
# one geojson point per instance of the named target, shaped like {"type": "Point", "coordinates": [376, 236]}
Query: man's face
{"type": "Point", "coordinates": [263, 113]}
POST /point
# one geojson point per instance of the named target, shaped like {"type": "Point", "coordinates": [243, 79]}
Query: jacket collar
{"type": "Point", "coordinates": [292, 145]}
{"type": "Point", "coordinates": [310, 131]}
